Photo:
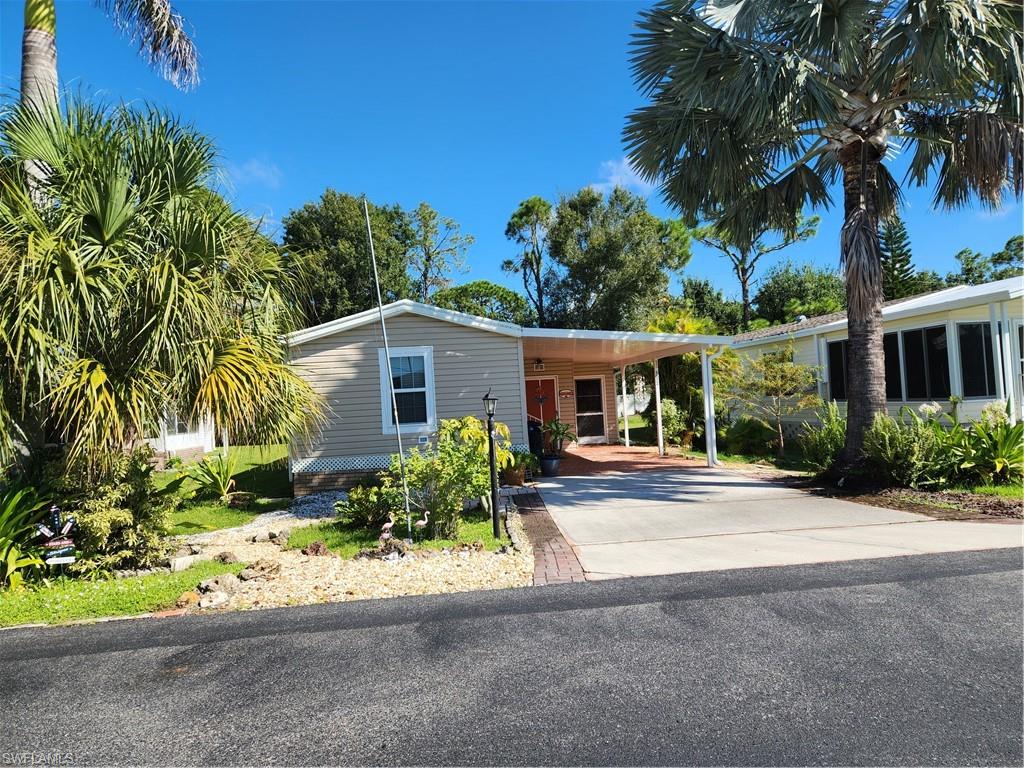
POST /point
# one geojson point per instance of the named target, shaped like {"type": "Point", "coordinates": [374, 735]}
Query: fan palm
{"type": "Point", "coordinates": [757, 106]}
{"type": "Point", "coordinates": [129, 287]}
{"type": "Point", "coordinates": [153, 24]}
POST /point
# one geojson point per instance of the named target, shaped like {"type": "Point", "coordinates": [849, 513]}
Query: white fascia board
{"type": "Point", "coordinates": [670, 338]}
{"type": "Point", "coordinates": [402, 307]}
{"type": "Point", "coordinates": [895, 312]}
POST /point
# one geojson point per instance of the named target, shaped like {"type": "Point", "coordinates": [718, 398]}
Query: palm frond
{"type": "Point", "coordinates": [160, 34]}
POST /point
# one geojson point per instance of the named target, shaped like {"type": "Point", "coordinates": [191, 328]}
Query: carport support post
{"type": "Point", "coordinates": [625, 412]}
{"type": "Point", "coordinates": [710, 435]}
{"type": "Point", "coordinates": [657, 408]}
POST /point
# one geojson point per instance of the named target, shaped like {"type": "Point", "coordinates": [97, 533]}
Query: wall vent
{"type": "Point", "coordinates": [538, 366]}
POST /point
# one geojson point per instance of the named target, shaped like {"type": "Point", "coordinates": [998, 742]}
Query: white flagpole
{"type": "Point", "coordinates": [387, 358]}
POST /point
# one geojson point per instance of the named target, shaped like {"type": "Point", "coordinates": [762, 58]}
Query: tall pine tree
{"type": "Point", "coordinates": [899, 277]}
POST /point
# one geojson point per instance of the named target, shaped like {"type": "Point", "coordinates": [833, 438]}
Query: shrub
{"type": "Point", "coordinates": [121, 519]}
{"type": "Point", "coordinates": [910, 452]}
{"type": "Point", "coordinates": [673, 424]}
{"type": "Point", "coordinates": [370, 506]}
{"type": "Point", "coordinates": [215, 475]}
{"type": "Point", "coordinates": [442, 477]}
{"type": "Point", "coordinates": [20, 510]}
{"type": "Point", "coordinates": [821, 443]}
{"type": "Point", "coordinates": [995, 452]}
{"type": "Point", "coordinates": [749, 436]}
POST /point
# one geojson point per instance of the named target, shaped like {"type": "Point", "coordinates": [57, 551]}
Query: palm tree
{"type": "Point", "coordinates": [756, 107]}
{"type": "Point", "coordinates": [153, 24]}
{"type": "Point", "coordinates": [129, 287]}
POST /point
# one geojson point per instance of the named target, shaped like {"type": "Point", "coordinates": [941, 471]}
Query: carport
{"type": "Point", "coordinates": [618, 350]}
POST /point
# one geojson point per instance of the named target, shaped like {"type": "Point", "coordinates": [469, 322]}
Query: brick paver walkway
{"type": "Point", "coordinates": [554, 560]}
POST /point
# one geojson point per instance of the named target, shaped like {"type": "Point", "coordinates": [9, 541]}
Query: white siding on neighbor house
{"type": "Point", "coordinates": [805, 351]}
{"type": "Point", "coordinates": [344, 369]}
{"type": "Point", "coordinates": [171, 443]}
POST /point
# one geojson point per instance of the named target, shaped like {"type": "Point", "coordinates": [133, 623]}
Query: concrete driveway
{"type": "Point", "coordinates": [659, 522]}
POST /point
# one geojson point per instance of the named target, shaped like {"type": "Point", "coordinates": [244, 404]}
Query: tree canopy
{"type": "Point", "coordinates": [613, 258]}
{"type": "Point", "coordinates": [899, 278]}
{"type": "Point", "coordinates": [486, 299]}
{"type": "Point", "coordinates": [528, 227]}
{"type": "Point", "coordinates": [329, 236]}
{"type": "Point", "coordinates": [789, 290]}
{"type": "Point", "coordinates": [437, 249]}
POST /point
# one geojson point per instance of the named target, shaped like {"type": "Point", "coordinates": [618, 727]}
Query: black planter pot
{"type": "Point", "coordinates": [549, 465]}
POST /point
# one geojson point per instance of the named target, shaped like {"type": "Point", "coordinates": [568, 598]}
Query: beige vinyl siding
{"type": "Point", "coordinates": [344, 368]}
{"type": "Point", "coordinates": [566, 373]}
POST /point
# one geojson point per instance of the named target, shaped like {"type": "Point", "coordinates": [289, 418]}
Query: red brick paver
{"type": "Point", "coordinates": [554, 560]}
{"type": "Point", "coordinates": [598, 459]}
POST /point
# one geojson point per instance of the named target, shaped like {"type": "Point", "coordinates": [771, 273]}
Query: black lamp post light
{"type": "Point", "coordinates": [490, 406]}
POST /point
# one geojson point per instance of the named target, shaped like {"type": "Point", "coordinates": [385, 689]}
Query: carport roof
{"type": "Point", "coordinates": [614, 347]}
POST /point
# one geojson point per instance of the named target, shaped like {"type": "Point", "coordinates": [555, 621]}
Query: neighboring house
{"type": "Point", "coordinates": [177, 436]}
{"type": "Point", "coordinates": [965, 341]}
{"type": "Point", "coordinates": [443, 363]}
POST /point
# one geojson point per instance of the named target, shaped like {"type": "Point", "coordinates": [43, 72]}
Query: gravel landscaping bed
{"type": "Point", "coordinates": [279, 577]}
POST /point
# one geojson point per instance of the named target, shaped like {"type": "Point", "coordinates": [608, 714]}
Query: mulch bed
{"type": "Point", "coordinates": [945, 505]}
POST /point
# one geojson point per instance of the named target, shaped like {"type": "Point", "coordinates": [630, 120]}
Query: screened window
{"type": "Point", "coordinates": [178, 424]}
{"type": "Point", "coordinates": [977, 366]}
{"type": "Point", "coordinates": [837, 367]}
{"type": "Point", "coordinates": [926, 363]}
{"type": "Point", "coordinates": [412, 379]}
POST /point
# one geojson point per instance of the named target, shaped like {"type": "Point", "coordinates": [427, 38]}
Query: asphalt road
{"type": "Point", "coordinates": [910, 660]}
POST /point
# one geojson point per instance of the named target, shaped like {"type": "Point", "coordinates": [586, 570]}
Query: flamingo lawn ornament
{"type": "Point", "coordinates": [386, 528]}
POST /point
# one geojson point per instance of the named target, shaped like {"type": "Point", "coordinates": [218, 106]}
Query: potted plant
{"type": "Point", "coordinates": [514, 472]}
{"type": "Point", "coordinates": [558, 434]}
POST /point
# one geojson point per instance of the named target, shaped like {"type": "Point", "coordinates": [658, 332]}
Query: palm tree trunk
{"type": "Point", "coordinates": [38, 70]}
{"type": "Point", "coordinates": [744, 277]}
{"type": "Point", "coordinates": [39, 55]}
{"type": "Point", "coordinates": [865, 368]}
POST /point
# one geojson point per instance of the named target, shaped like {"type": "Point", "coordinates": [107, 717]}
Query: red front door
{"type": "Point", "coordinates": [541, 400]}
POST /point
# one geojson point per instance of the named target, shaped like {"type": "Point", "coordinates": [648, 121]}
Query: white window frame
{"type": "Point", "coordinates": [427, 353]}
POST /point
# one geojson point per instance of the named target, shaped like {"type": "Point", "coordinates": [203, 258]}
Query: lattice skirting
{"type": "Point", "coordinates": [356, 463]}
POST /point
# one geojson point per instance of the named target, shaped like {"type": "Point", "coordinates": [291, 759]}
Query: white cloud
{"type": "Point", "coordinates": [619, 173]}
{"type": "Point", "coordinates": [255, 172]}
{"type": "Point", "coordinates": [998, 213]}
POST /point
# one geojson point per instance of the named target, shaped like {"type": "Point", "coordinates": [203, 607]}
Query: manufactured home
{"type": "Point", "coordinates": [442, 364]}
{"type": "Point", "coordinates": [962, 342]}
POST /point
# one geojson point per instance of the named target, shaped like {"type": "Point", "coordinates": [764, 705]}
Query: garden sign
{"type": "Point", "coordinates": [59, 545]}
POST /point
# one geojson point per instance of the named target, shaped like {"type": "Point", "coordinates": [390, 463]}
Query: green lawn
{"type": "Point", "coordinates": [69, 599]}
{"type": "Point", "coordinates": [1006, 491]}
{"type": "Point", "coordinates": [262, 470]}
{"type": "Point", "coordinates": [201, 517]}
{"type": "Point", "coordinates": [639, 432]}
{"type": "Point", "coordinates": [347, 542]}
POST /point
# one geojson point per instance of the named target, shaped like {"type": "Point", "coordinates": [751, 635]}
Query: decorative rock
{"type": "Point", "coordinates": [182, 563]}
{"type": "Point", "coordinates": [316, 549]}
{"type": "Point", "coordinates": [194, 549]}
{"type": "Point", "coordinates": [213, 600]}
{"type": "Point", "coordinates": [226, 557]}
{"type": "Point", "coordinates": [241, 500]}
{"type": "Point", "coordinates": [248, 574]}
{"type": "Point", "coordinates": [226, 582]}
{"type": "Point", "coordinates": [260, 537]}
{"type": "Point", "coordinates": [188, 599]}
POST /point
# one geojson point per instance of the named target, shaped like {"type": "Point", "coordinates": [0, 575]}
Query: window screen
{"type": "Point", "coordinates": [926, 363]}
{"type": "Point", "coordinates": [976, 364]}
{"type": "Point", "coordinates": [891, 349]}
{"type": "Point", "coordinates": [837, 370]}
{"type": "Point", "coordinates": [588, 396]}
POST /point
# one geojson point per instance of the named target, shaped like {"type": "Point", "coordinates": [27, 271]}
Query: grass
{"type": "Point", "coordinates": [1014, 491]}
{"type": "Point", "coordinates": [261, 470]}
{"type": "Point", "coordinates": [346, 542]}
{"type": "Point", "coordinates": [205, 516]}
{"type": "Point", "coordinates": [69, 599]}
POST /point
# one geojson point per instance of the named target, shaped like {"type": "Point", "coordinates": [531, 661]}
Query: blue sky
{"type": "Point", "coordinates": [471, 106]}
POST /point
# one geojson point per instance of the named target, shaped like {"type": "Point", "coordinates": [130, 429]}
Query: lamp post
{"type": "Point", "coordinates": [490, 404]}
